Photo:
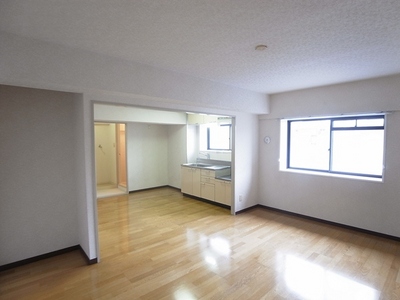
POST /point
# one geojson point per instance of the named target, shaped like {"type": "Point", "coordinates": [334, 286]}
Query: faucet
{"type": "Point", "coordinates": [205, 154]}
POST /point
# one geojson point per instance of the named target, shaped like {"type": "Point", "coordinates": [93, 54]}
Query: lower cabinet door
{"type": "Point", "coordinates": [220, 191]}
{"type": "Point", "coordinates": [207, 191]}
{"type": "Point", "coordinates": [228, 193]}
{"type": "Point", "coordinates": [186, 177]}
{"type": "Point", "coordinates": [196, 183]}
{"type": "Point", "coordinates": [223, 193]}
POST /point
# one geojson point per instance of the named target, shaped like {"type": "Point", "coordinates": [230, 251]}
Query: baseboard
{"type": "Point", "coordinates": [247, 209]}
{"type": "Point", "coordinates": [207, 201]}
{"type": "Point", "coordinates": [37, 258]}
{"type": "Point", "coordinates": [154, 188]}
{"type": "Point", "coordinates": [47, 255]}
{"type": "Point", "coordinates": [173, 187]}
{"type": "Point", "coordinates": [378, 234]}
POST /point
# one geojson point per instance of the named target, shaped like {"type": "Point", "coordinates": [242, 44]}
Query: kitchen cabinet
{"type": "Point", "coordinates": [223, 192]}
{"type": "Point", "coordinates": [207, 185]}
{"type": "Point", "coordinates": [197, 119]}
{"type": "Point", "coordinates": [228, 193]}
{"type": "Point", "coordinates": [200, 180]}
{"type": "Point", "coordinates": [190, 181]}
{"type": "Point", "coordinates": [207, 191]}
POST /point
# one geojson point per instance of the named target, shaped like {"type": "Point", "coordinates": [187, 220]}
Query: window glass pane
{"type": "Point", "coordinates": [344, 123]}
{"type": "Point", "coordinates": [370, 122]}
{"type": "Point", "coordinates": [358, 151]}
{"type": "Point", "coordinates": [219, 137]}
{"type": "Point", "coordinates": [309, 144]}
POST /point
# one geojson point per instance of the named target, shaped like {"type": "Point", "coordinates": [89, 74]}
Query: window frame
{"type": "Point", "coordinates": [230, 139]}
{"type": "Point", "coordinates": [331, 130]}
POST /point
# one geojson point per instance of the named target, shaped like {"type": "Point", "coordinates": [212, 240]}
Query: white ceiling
{"type": "Point", "coordinates": [310, 42]}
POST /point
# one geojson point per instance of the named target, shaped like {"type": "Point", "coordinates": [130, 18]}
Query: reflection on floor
{"type": "Point", "coordinates": [109, 190]}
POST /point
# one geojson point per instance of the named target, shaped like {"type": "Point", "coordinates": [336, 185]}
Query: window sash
{"type": "Point", "coordinates": [213, 145]}
{"type": "Point", "coordinates": [327, 162]}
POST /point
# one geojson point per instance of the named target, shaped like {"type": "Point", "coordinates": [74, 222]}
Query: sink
{"type": "Point", "coordinates": [217, 167]}
{"type": "Point", "coordinates": [199, 165]}
{"type": "Point", "coordinates": [206, 166]}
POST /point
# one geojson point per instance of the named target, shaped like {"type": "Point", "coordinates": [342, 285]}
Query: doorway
{"type": "Point", "coordinates": [121, 156]}
{"type": "Point", "coordinates": [110, 154]}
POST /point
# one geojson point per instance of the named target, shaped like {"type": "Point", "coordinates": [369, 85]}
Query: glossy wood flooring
{"type": "Point", "coordinates": [159, 244]}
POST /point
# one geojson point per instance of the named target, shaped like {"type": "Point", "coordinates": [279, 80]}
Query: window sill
{"type": "Point", "coordinates": [216, 151]}
{"type": "Point", "coordinates": [333, 175]}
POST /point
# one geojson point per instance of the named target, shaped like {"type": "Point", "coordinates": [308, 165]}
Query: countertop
{"type": "Point", "coordinates": [205, 166]}
{"type": "Point", "coordinates": [226, 178]}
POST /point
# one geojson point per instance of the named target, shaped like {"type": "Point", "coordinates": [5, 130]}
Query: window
{"type": "Point", "coordinates": [339, 145]}
{"type": "Point", "coordinates": [219, 137]}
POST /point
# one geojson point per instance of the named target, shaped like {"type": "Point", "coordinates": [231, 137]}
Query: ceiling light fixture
{"type": "Point", "coordinates": [261, 47]}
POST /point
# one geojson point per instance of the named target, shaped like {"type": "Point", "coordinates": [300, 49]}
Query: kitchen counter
{"type": "Point", "coordinates": [226, 178]}
{"type": "Point", "coordinates": [200, 179]}
{"type": "Point", "coordinates": [206, 166]}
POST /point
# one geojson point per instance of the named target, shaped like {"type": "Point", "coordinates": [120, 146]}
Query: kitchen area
{"type": "Point", "coordinates": [210, 180]}
{"type": "Point", "coordinates": [207, 174]}
{"type": "Point", "coordinates": [188, 151]}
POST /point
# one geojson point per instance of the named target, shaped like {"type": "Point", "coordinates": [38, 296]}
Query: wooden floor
{"type": "Point", "coordinates": [159, 244]}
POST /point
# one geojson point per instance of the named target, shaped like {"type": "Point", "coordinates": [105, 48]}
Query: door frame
{"type": "Point", "coordinates": [118, 147]}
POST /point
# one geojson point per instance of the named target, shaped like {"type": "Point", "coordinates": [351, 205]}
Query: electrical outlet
{"type": "Point", "coordinates": [240, 198]}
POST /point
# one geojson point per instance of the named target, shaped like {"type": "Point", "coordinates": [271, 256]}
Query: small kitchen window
{"type": "Point", "coordinates": [219, 137]}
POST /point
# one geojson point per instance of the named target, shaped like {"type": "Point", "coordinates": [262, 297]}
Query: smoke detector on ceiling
{"type": "Point", "coordinates": [261, 47]}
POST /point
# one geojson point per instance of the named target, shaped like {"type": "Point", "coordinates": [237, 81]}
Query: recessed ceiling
{"type": "Point", "coordinates": [310, 43]}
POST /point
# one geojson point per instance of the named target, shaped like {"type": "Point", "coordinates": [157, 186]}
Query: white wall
{"type": "Point", "coordinates": [369, 205]}
{"type": "Point", "coordinates": [192, 142]}
{"type": "Point", "coordinates": [218, 155]}
{"type": "Point", "coordinates": [176, 153]}
{"type": "Point", "coordinates": [38, 193]}
{"type": "Point", "coordinates": [84, 164]}
{"type": "Point", "coordinates": [147, 152]}
{"type": "Point", "coordinates": [87, 207]}
{"type": "Point", "coordinates": [245, 161]}
{"type": "Point", "coordinates": [121, 114]}
{"type": "Point", "coordinates": [106, 154]}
